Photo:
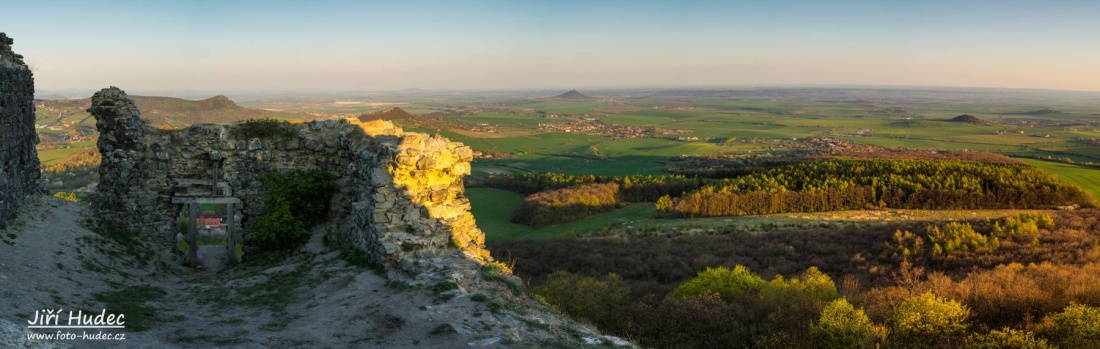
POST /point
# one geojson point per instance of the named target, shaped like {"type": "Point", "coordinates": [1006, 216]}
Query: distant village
{"type": "Point", "coordinates": [585, 124]}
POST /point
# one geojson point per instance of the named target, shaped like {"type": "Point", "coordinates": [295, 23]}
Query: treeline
{"type": "Point", "coordinates": [813, 186]}
{"type": "Point", "coordinates": [841, 184]}
{"type": "Point", "coordinates": [1029, 278]}
{"type": "Point", "coordinates": [637, 188]}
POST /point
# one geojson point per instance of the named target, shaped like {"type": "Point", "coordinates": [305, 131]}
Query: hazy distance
{"type": "Point", "coordinates": [366, 46]}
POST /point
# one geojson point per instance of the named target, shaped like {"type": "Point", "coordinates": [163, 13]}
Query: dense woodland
{"type": "Point", "coordinates": [1025, 281]}
{"type": "Point", "coordinates": [809, 186]}
{"type": "Point", "coordinates": [839, 184]}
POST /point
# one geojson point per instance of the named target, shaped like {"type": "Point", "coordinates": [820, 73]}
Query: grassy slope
{"type": "Point", "coordinates": [1086, 178]}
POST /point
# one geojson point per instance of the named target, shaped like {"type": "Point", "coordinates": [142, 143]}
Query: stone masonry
{"type": "Point", "coordinates": [399, 199]}
{"type": "Point", "coordinates": [19, 168]}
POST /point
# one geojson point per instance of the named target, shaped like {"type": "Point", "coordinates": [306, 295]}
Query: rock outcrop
{"type": "Point", "coordinates": [400, 196]}
{"type": "Point", "coordinates": [19, 167]}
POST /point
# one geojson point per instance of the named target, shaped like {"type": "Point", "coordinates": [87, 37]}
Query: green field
{"type": "Point", "coordinates": [1086, 178]}
{"type": "Point", "coordinates": [636, 120]}
{"type": "Point", "coordinates": [53, 156]}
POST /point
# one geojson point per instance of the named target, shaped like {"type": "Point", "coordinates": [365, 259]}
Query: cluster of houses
{"type": "Point", "coordinates": [692, 139]}
{"type": "Point", "coordinates": [590, 125]}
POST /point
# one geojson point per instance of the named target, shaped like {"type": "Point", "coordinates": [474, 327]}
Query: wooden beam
{"type": "Point", "coordinates": [205, 200]}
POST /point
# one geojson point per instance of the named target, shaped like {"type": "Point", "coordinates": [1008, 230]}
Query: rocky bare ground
{"type": "Point", "coordinates": [316, 298]}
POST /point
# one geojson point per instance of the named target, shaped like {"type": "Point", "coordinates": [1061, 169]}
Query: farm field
{"type": "Point", "coordinates": [1087, 178]}
{"type": "Point", "coordinates": [53, 156]}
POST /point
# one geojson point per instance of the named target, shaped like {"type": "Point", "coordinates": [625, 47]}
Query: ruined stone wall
{"type": "Point", "coordinates": [400, 195]}
{"type": "Point", "coordinates": [19, 168]}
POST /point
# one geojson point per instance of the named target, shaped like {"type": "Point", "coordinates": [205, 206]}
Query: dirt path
{"type": "Point", "coordinates": [314, 299]}
{"type": "Point", "coordinates": [213, 258]}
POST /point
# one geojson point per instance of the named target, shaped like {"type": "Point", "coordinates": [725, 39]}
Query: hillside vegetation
{"type": "Point", "coordinates": [1028, 278]}
{"type": "Point", "coordinates": [800, 186]}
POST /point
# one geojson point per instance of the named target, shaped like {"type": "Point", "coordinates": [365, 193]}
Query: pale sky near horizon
{"type": "Point", "coordinates": [374, 45]}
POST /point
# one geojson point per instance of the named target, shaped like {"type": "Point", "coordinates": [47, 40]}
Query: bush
{"type": "Point", "coordinates": [1024, 227]}
{"type": "Point", "coordinates": [601, 302]}
{"type": "Point", "coordinates": [698, 321]}
{"type": "Point", "coordinates": [67, 196]}
{"type": "Point", "coordinates": [1006, 338]}
{"type": "Point", "coordinates": [295, 201]}
{"type": "Point", "coordinates": [264, 128]}
{"type": "Point", "coordinates": [957, 237]}
{"type": "Point", "coordinates": [842, 326]}
{"type": "Point", "coordinates": [1078, 326]}
{"type": "Point", "coordinates": [727, 283]}
{"type": "Point", "coordinates": [812, 285]}
{"type": "Point", "coordinates": [795, 301]}
{"type": "Point", "coordinates": [498, 271]}
{"type": "Point", "coordinates": [928, 321]}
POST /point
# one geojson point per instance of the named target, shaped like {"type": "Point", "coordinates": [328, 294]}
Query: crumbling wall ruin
{"type": "Point", "coordinates": [19, 167]}
{"type": "Point", "coordinates": [400, 195]}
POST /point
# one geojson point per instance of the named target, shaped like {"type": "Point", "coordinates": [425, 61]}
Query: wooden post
{"type": "Point", "coordinates": [215, 177]}
{"type": "Point", "coordinates": [229, 232]}
{"type": "Point", "coordinates": [193, 235]}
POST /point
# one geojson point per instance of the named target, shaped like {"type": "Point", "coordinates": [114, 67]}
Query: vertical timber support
{"type": "Point", "coordinates": [230, 233]}
{"type": "Point", "coordinates": [192, 234]}
{"type": "Point", "coordinates": [233, 240]}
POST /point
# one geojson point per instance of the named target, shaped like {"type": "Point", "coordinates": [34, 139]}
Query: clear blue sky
{"type": "Point", "coordinates": [373, 45]}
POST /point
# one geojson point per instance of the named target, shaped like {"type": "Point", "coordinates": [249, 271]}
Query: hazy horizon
{"type": "Point", "coordinates": [509, 45]}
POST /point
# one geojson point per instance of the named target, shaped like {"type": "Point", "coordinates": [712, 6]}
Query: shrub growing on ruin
{"type": "Point", "coordinates": [264, 128]}
{"type": "Point", "coordinates": [296, 201]}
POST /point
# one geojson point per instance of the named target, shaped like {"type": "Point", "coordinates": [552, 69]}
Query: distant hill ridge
{"type": "Point", "coordinates": [167, 111]}
{"type": "Point", "coordinates": [433, 121]}
{"type": "Point", "coordinates": [388, 114]}
{"type": "Point", "coordinates": [1044, 111]}
{"type": "Point", "coordinates": [575, 95]}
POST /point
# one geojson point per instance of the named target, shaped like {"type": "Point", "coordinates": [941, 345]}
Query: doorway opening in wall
{"type": "Point", "coordinates": [207, 235]}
